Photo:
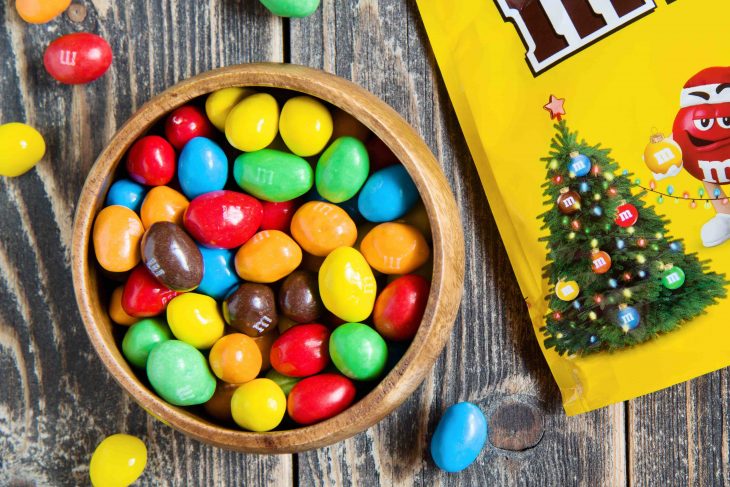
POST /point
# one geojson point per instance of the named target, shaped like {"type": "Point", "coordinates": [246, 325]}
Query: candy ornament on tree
{"type": "Point", "coordinates": [568, 202]}
{"type": "Point", "coordinates": [600, 261]}
{"type": "Point", "coordinates": [628, 318]}
{"type": "Point", "coordinates": [673, 277]}
{"type": "Point", "coordinates": [579, 165]}
{"type": "Point", "coordinates": [567, 290]}
{"type": "Point", "coordinates": [663, 157]}
{"type": "Point", "coordinates": [626, 215]}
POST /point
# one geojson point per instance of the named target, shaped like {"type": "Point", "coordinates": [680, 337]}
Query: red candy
{"type": "Point", "coordinates": [277, 216]}
{"type": "Point", "coordinates": [223, 219]}
{"type": "Point", "coordinates": [380, 155]}
{"type": "Point", "coordinates": [185, 123]}
{"type": "Point", "coordinates": [320, 397]}
{"type": "Point", "coordinates": [399, 308]}
{"type": "Point", "coordinates": [143, 295]}
{"type": "Point", "coordinates": [301, 350]}
{"type": "Point", "coordinates": [77, 58]}
{"type": "Point", "coordinates": [151, 161]}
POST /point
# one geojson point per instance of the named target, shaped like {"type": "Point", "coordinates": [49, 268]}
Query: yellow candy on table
{"type": "Point", "coordinates": [118, 461]}
{"type": "Point", "coordinates": [395, 248]}
{"type": "Point", "coordinates": [116, 235]}
{"type": "Point", "coordinates": [21, 148]}
{"type": "Point", "coordinates": [258, 405]}
{"type": "Point", "coordinates": [305, 125]}
{"type": "Point", "coordinates": [220, 103]}
{"type": "Point", "coordinates": [253, 123]}
{"type": "Point", "coordinates": [194, 319]}
{"type": "Point", "coordinates": [347, 285]}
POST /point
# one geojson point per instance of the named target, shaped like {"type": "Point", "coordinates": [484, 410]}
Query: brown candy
{"type": "Point", "coordinates": [172, 256]}
{"type": "Point", "coordinates": [219, 406]}
{"type": "Point", "coordinates": [299, 297]}
{"type": "Point", "coordinates": [251, 309]}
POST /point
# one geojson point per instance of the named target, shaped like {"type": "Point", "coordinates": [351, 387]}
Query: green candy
{"type": "Point", "coordinates": [142, 337]}
{"type": "Point", "coordinates": [291, 8]}
{"type": "Point", "coordinates": [342, 169]}
{"type": "Point", "coordinates": [358, 351]}
{"type": "Point", "coordinates": [272, 175]}
{"type": "Point", "coordinates": [284, 381]}
{"type": "Point", "coordinates": [179, 373]}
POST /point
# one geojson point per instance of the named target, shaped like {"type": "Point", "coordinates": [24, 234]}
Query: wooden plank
{"type": "Point", "coordinates": [493, 358]}
{"type": "Point", "coordinates": [56, 400]}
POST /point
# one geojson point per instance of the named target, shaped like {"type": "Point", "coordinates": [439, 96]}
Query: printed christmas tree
{"type": "Point", "coordinates": [617, 278]}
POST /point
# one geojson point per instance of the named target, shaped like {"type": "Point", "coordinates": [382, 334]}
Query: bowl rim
{"type": "Point", "coordinates": [448, 255]}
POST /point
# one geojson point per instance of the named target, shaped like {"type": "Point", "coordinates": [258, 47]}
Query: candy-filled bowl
{"type": "Point", "coordinates": [268, 289]}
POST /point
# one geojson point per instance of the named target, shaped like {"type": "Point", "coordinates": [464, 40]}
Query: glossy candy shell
{"type": "Point", "coordinates": [272, 175]}
{"type": "Point", "coordinates": [22, 148]}
{"type": "Point", "coordinates": [118, 460]}
{"type": "Point", "coordinates": [117, 234]}
{"type": "Point", "coordinates": [342, 169]}
{"type": "Point", "coordinates": [179, 374]}
{"type": "Point", "coordinates": [320, 397]}
{"type": "Point", "coordinates": [301, 351]}
{"type": "Point", "coordinates": [387, 195]}
{"type": "Point", "coordinates": [202, 167]}
{"type": "Point", "coordinates": [459, 437]}
{"type": "Point", "coordinates": [144, 295]}
{"type": "Point", "coordinates": [258, 405]}
{"type": "Point", "coordinates": [347, 285]}
{"type": "Point", "coordinates": [223, 219]}
{"type": "Point", "coordinates": [78, 58]}
{"type": "Point", "coordinates": [358, 351]}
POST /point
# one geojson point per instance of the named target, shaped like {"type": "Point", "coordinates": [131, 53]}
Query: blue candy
{"type": "Point", "coordinates": [202, 167]}
{"type": "Point", "coordinates": [219, 275]}
{"type": "Point", "coordinates": [127, 193]}
{"type": "Point", "coordinates": [387, 195]}
{"type": "Point", "coordinates": [459, 437]}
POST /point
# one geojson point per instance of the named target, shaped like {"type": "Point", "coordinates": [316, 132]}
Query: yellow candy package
{"type": "Point", "coordinates": [601, 132]}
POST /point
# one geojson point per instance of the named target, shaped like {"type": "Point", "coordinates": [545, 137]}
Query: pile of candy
{"type": "Point", "coordinates": [252, 287]}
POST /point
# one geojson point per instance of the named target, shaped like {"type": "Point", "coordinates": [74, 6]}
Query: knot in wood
{"type": "Point", "coordinates": [516, 426]}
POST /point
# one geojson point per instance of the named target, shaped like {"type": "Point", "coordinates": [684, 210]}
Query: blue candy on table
{"type": "Point", "coordinates": [387, 195]}
{"type": "Point", "coordinates": [219, 274]}
{"type": "Point", "coordinates": [459, 437]}
{"type": "Point", "coordinates": [202, 167]}
{"type": "Point", "coordinates": [126, 192]}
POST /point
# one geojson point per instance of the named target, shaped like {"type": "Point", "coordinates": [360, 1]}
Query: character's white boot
{"type": "Point", "coordinates": [717, 230]}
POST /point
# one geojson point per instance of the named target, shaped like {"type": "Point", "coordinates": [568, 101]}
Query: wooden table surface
{"type": "Point", "coordinates": [57, 401]}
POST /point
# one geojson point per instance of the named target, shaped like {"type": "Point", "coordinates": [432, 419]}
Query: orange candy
{"type": "Point", "coordinates": [321, 227]}
{"type": "Point", "coordinates": [117, 233]}
{"type": "Point", "coordinates": [40, 11]}
{"type": "Point", "coordinates": [219, 406]}
{"type": "Point", "coordinates": [163, 204]}
{"type": "Point", "coordinates": [116, 312]}
{"type": "Point", "coordinates": [267, 257]}
{"type": "Point", "coordinates": [264, 343]}
{"type": "Point", "coordinates": [395, 248]}
{"type": "Point", "coordinates": [235, 358]}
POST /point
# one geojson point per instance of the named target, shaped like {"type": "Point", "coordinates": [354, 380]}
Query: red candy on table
{"type": "Point", "coordinates": [144, 295]}
{"type": "Point", "coordinates": [151, 161]}
{"type": "Point", "coordinates": [301, 351]}
{"type": "Point", "coordinates": [399, 308]}
{"type": "Point", "coordinates": [223, 219]}
{"type": "Point", "coordinates": [186, 123]}
{"type": "Point", "coordinates": [77, 58]}
{"type": "Point", "coordinates": [320, 397]}
{"type": "Point", "coordinates": [277, 216]}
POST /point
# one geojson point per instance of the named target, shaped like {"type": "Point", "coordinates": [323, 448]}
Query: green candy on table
{"type": "Point", "coordinates": [284, 381]}
{"type": "Point", "coordinates": [342, 169]}
{"type": "Point", "coordinates": [142, 337]}
{"type": "Point", "coordinates": [272, 175]}
{"type": "Point", "coordinates": [291, 8]}
{"type": "Point", "coordinates": [179, 373]}
{"type": "Point", "coordinates": [358, 351]}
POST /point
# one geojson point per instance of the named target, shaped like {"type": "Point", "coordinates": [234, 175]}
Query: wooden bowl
{"type": "Point", "coordinates": [448, 256]}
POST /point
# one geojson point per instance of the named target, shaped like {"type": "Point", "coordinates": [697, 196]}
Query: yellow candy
{"type": "Point", "coordinates": [347, 285]}
{"type": "Point", "coordinates": [267, 257]}
{"type": "Point", "coordinates": [305, 125]}
{"type": "Point", "coordinates": [395, 248]}
{"type": "Point", "coordinates": [118, 461]}
{"type": "Point", "coordinates": [253, 123]}
{"type": "Point", "coordinates": [195, 319]}
{"type": "Point", "coordinates": [117, 233]}
{"type": "Point", "coordinates": [258, 405]}
{"type": "Point", "coordinates": [21, 147]}
{"type": "Point", "coordinates": [220, 103]}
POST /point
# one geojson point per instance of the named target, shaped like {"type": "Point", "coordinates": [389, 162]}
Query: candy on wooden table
{"type": "Point", "coordinates": [219, 274]}
{"type": "Point", "coordinates": [291, 8]}
{"type": "Point", "coordinates": [277, 216]}
{"type": "Point", "coordinates": [395, 248]}
{"type": "Point", "coordinates": [40, 11]}
{"type": "Point", "coordinates": [151, 160]}
{"type": "Point", "coordinates": [258, 405]}
{"type": "Point", "coordinates": [253, 123]}
{"type": "Point", "coordinates": [459, 437]}
{"type": "Point", "coordinates": [387, 195]}
{"type": "Point", "coordinates": [264, 342]}
{"type": "Point", "coordinates": [194, 319]}
{"type": "Point", "coordinates": [21, 148]}
{"type": "Point", "coordinates": [78, 58]}
{"type": "Point", "coordinates": [319, 397]}
{"type": "Point", "coordinates": [144, 295]}
{"type": "Point", "coordinates": [223, 219]}
{"type": "Point", "coordinates": [400, 306]}
{"type": "Point", "coordinates": [219, 406]}
{"type": "Point", "coordinates": [186, 123]}
{"type": "Point", "coordinates": [220, 103]}
{"type": "Point", "coordinates": [251, 309]}
{"type": "Point", "coordinates": [142, 337]}
{"type": "Point", "coordinates": [273, 175]}
{"type": "Point", "coordinates": [267, 257]}
{"type": "Point", "coordinates": [172, 256]}
{"type": "Point", "coordinates": [321, 227]}
{"type": "Point", "coordinates": [347, 125]}
{"type": "Point", "coordinates": [299, 297]}
{"type": "Point", "coordinates": [235, 358]}
{"type": "Point", "coordinates": [116, 312]}
{"type": "Point", "coordinates": [347, 285]}
{"type": "Point", "coordinates": [284, 381]}
{"type": "Point", "coordinates": [125, 192]}
{"type": "Point", "coordinates": [305, 125]}
{"type": "Point", "coordinates": [301, 351]}
{"type": "Point", "coordinates": [163, 204]}
{"type": "Point", "coordinates": [179, 373]}
{"type": "Point", "coordinates": [342, 169]}
{"type": "Point", "coordinates": [202, 167]}
{"type": "Point", "coordinates": [118, 460]}
{"type": "Point", "coordinates": [117, 233]}
{"type": "Point", "coordinates": [358, 351]}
